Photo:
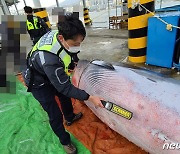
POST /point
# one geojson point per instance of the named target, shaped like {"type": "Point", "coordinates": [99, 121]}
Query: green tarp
{"type": "Point", "coordinates": [24, 126]}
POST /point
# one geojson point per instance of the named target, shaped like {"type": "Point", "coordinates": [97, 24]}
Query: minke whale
{"type": "Point", "coordinates": [153, 100]}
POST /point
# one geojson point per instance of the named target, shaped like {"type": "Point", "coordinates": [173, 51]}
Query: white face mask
{"type": "Point", "coordinates": [74, 49]}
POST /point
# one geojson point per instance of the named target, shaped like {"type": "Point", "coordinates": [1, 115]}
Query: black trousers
{"type": "Point", "coordinates": [46, 97]}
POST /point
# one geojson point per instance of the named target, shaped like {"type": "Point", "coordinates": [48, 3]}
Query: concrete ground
{"type": "Point", "coordinates": [105, 44]}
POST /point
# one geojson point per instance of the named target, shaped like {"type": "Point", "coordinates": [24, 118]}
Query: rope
{"type": "Point", "coordinates": [137, 4]}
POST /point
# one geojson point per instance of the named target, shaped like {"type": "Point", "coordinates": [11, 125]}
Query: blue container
{"type": "Point", "coordinates": [168, 9]}
{"type": "Point", "coordinates": [161, 42]}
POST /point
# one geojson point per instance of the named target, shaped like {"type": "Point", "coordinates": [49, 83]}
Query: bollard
{"type": "Point", "coordinates": [137, 26]}
{"type": "Point", "coordinates": [41, 12]}
{"type": "Point", "coordinates": [87, 19]}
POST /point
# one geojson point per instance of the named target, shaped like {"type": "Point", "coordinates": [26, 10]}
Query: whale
{"type": "Point", "coordinates": [152, 98]}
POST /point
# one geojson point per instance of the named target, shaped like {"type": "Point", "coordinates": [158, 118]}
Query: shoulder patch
{"type": "Point", "coordinates": [47, 39]}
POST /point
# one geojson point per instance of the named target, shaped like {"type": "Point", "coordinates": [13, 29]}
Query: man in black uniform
{"type": "Point", "coordinates": [47, 75]}
{"type": "Point", "coordinates": [36, 26]}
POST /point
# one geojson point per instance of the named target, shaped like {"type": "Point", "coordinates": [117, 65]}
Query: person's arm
{"type": "Point", "coordinates": [54, 69]}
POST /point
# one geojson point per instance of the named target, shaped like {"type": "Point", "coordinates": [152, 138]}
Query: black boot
{"type": "Point", "coordinates": [76, 117]}
{"type": "Point", "coordinates": [70, 149]}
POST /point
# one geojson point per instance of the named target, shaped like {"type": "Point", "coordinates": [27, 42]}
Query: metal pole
{"type": "Point", "coordinates": [116, 8]}
{"type": "Point", "coordinates": [84, 3]}
{"type": "Point", "coordinates": [16, 7]}
{"type": "Point", "coordinates": [37, 3]}
{"type": "Point", "coordinates": [160, 4]}
{"type": "Point", "coordinates": [8, 9]}
{"type": "Point", "coordinates": [121, 8]}
{"type": "Point", "coordinates": [24, 2]}
{"type": "Point", "coordinates": [108, 13]}
{"type": "Point", "coordinates": [108, 9]}
{"type": "Point", "coordinates": [5, 8]}
{"type": "Point", "coordinates": [57, 3]}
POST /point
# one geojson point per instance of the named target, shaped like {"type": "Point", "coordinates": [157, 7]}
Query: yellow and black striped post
{"type": "Point", "coordinates": [137, 26]}
{"type": "Point", "coordinates": [87, 19]}
{"type": "Point", "coordinates": [41, 12]}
